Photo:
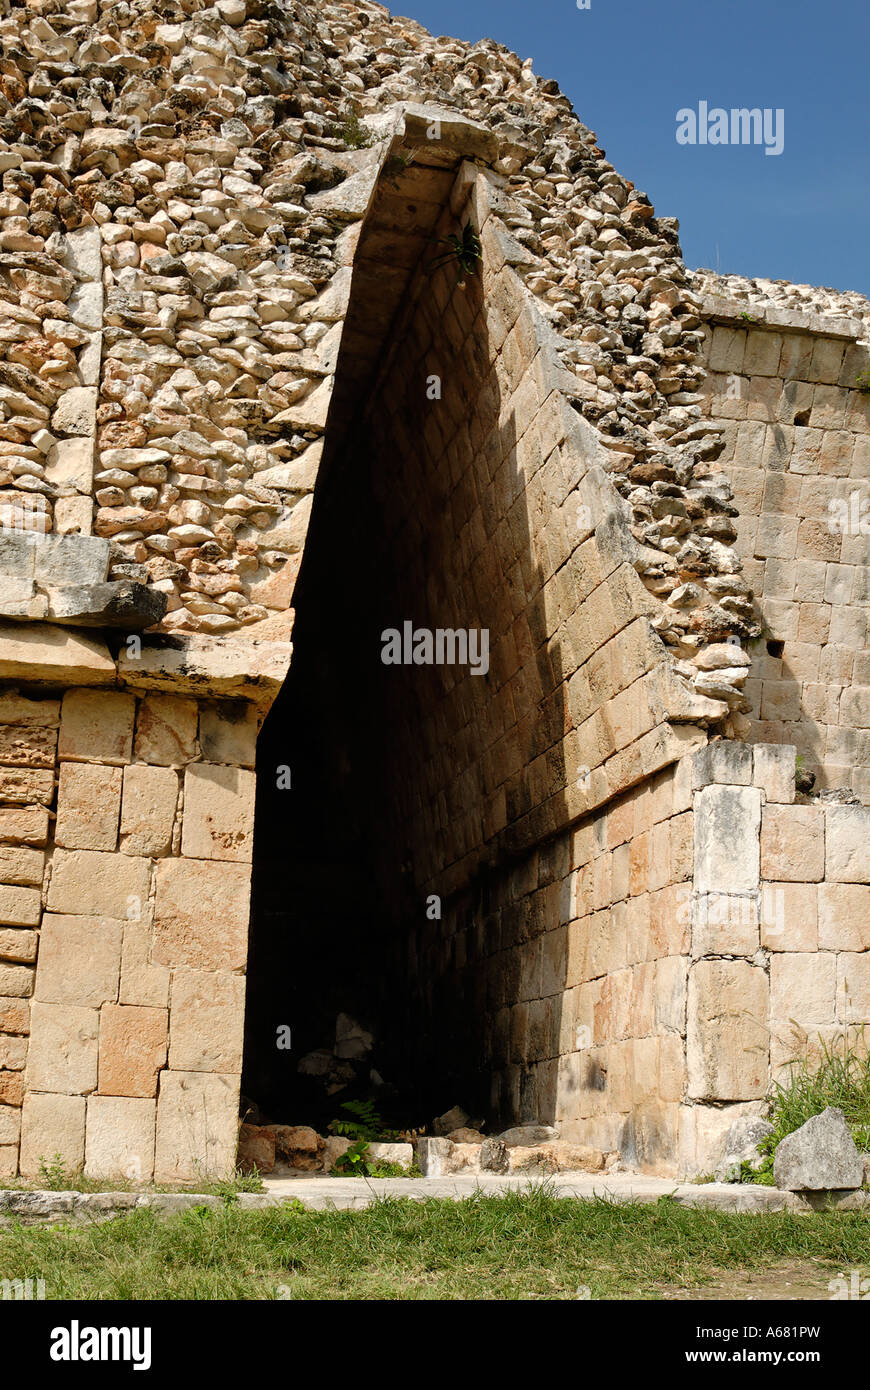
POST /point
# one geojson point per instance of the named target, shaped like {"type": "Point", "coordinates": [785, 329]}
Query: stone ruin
{"type": "Point", "coordinates": [577, 888]}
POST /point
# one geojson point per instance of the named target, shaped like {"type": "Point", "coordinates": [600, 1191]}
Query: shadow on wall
{"type": "Point", "coordinates": [383, 886]}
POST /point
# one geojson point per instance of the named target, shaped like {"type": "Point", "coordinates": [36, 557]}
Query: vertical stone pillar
{"type": "Point", "coordinates": [126, 832]}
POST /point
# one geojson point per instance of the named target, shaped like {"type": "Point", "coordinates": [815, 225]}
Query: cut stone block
{"type": "Point", "coordinates": [24, 825]}
{"type": "Point", "coordinates": [727, 820]}
{"type": "Point", "coordinates": [63, 1049]}
{"type": "Point", "coordinates": [91, 883]}
{"type": "Point", "coordinates": [792, 844]}
{"type": "Point", "coordinates": [844, 917]}
{"type": "Point", "coordinates": [120, 1138]}
{"type": "Point", "coordinates": [21, 786]}
{"type": "Point", "coordinates": [197, 1126]}
{"type": "Point", "coordinates": [726, 1032]}
{"type": "Point", "coordinates": [19, 945]}
{"type": "Point", "coordinates": [228, 732]}
{"type": "Point", "coordinates": [16, 981]}
{"type": "Point", "coordinates": [207, 1021]}
{"type": "Point", "coordinates": [201, 914]}
{"type": "Point", "coordinates": [23, 745]}
{"type": "Point", "coordinates": [148, 809]}
{"type": "Point", "coordinates": [53, 654]}
{"type": "Point", "coordinates": [72, 560]}
{"type": "Point", "coordinates": [10, 1124]}
{"type": "Point", "coordinates": [218, 813]}
{"type": "Point", "coordinates": [14, 1016]}
{"type": "Point", "coordinates": [847, 844]}
{"type": "Point", "coordinates": [142, 981]}
{"type": "Point", "coordinates": [803, 988]}
{"type": "Point", "coordinates": [166, 730]}
{"type": "Point", "coordinates": [774, 771]}
{"type": "Point", "coordinates": [70, 465]}
{"type": "Point", "coordinates": [133, 1044]}
{"type": "Point", "coordinates": [18, 709]}
{"type": "Point", "coordinates": [76, 412]}
{"type": "Point", "coordinates": [120, 603]}
{"type": "Point", "coordinates": [20, 907]}
{"type": "Point", "coordinates": [20, 865]}
{"type": "Point", "coordinates": [52, 1126]}
{"type": "Point", "coordinates": [79, 960]}
{"type": "Point", "coordinates": [88, 806]}
{"type": "Point", "coordinates": [97, 726]}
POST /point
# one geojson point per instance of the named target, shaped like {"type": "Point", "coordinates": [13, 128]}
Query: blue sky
{"type": "Point", "coordinates": [628, 66]}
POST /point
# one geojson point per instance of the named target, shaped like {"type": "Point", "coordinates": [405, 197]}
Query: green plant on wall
{"type": "Point", "coordinates": [862, 381]}
{"type": "Point", "coordinates": [354, 133]}
{"type": "Point", "coordinates": [463, 251]}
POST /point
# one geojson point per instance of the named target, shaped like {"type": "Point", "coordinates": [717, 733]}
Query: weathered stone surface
{"type": "Point", "coordinates": [16, 944]}
{"type": "Point", "coordinates": [299, 1146]}
{"type": "Point", "coordinates": [148, 809]}
{"type": "Point", "coordinates": [793, 844]}
{"type": "Point", "coordinates": [526, 1135]}
{"type": "Point", "coordinates": [201, 914]}
{"type": "Point", "coordinates": [741, 1146]}
{"type": "Point", "coordinates": [133, 1043]}
{"type": "Point", "coordinates": [21, 786]}
{"type": "Point", "coordinates": [402, 1154]}
{"type": "Point", "coordinates": [122, 604]}
{"type": "Point", "coordinates": [726, 1039]}
{"type": "Point", "coordinates": [256, 1149]}
{"type": "Point", "coordinates": [235, 669]}
{"type": "Point", "coordinates": [63, 1049]}
{"type": "Point", "coordinates": [197, 1126]}
{"type": "Point", "coordinates": [228, 732]}
{"type": "Point", "coordinates": [20, 907]}
{"type": "Point", "coordinates": [820, 1155]}
{"type": "Point", "coordinates": [24, 825]}
{"type": "Point", "coordinates": [16, 981]}
{"type": "Point", "coordinates": [120, 1138]}
{"type": "Point", "coordinates": [27, 746]}
{"type": "Point", "coordinates": [555, 1157]}
{"type": "Point", "coordinates": [143, 981]}
{"type": "Point", "coordinates": [52, 1125]}
{"type": "Point", "coordinates": [14, 1015]}
{"type": "Point", "coordinates": [53, 654]}
{"type": "Point", "coordinates": [494, 1156]}
{"type": "Point", "coordinates": [431, 1155]}
{"type": "Point", "coordinates": [847, 844]}
{"type": "Point", "coordinates": [218, 813]}
{"type": "Point", "coordinates": [727, 821]}
{"type": "Point", "coordinates": [166, 730]}
{"type": "Point", "coordinates": [88, 806]}
{"type": "Point", "coordinates": [207, 1021]}
{"type": "Point", "coordinates": [97, 726]}
{"type": "Point", "coordinates": [20, 865]}
{"type": "Point", "coordinates": [79, 960]}
{"type": "Point", "coordinates": [97, 884]}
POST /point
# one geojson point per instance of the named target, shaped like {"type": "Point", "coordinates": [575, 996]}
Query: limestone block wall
{"type": "Point", "coordinates": [126, 822]}
{"type": "Point", "coordinates": [779, 955]}
{"type": "Point", "coordinates": [785, 388]}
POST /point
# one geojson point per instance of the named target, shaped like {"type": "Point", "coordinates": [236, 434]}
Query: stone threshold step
{"type": "Point", "coordinates": [324, 1194]}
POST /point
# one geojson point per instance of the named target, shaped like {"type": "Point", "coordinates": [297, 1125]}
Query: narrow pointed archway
{"type": "Point", "coordinates": [381, 872]}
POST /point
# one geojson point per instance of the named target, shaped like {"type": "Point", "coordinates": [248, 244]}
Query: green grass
{"type": "Point", "coordinates": [55, 1176]}
{"type": "Point", "coordinates": [839, 1076]}
{"type": "Point", "coordinates": [519, 1246]}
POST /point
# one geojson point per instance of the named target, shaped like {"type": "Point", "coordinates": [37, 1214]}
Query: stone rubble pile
{"type": "Point", "coordinates": [182, 188]}
{"type": "Point", "coordinates": [295, 1150]}
{"type": "Point", "coordinates": [761, 294]}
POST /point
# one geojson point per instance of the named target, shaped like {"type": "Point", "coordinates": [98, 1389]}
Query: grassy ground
{"type": "Point", "coordinates": [520, 1246]}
